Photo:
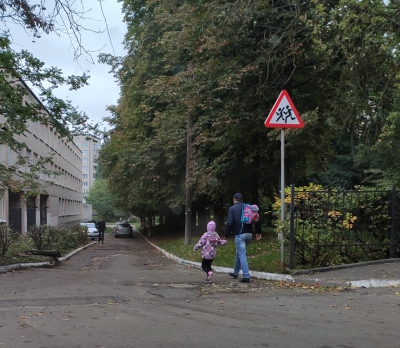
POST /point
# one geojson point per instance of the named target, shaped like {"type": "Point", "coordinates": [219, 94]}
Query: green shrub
{"type": "Point", "coordinates": [7, 238]}
{"type": "Point", "coordinates": [134, 220]}
{"type": "Point", "coordinates": [78, 236]}
{"type": "Point", "coordinates": [335, 226]}
{"type": "Point", "coordinates": [57, 238]}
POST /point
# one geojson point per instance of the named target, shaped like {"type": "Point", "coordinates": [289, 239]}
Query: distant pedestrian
{"type": "Point", "coordinates": [243, 234]}
{"type": "Point", "coordinates": [208, 242]}
{"type": "Point", "coordinates": [101, 227]}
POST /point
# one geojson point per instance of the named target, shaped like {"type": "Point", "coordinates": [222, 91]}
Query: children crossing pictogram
{"type": "Point", "coordinates": [284, 114]}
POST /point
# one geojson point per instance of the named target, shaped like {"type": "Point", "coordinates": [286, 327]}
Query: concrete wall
{"type": "Point", "coordinates": [60, 199]}
{"type": "Point", "coordinates": [87, 212]}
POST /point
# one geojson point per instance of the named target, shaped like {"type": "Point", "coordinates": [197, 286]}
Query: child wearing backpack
{"type": "Point", "coordinates": [209, 242]}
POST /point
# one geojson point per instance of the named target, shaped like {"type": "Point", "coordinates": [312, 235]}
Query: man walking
{"type": "Point", "coordinates": [101, 227]}
{"type": "Point", "coordinates": [243, 234]}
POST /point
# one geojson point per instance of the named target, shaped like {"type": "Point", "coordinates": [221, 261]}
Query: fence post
{"type": "Point", "coordinates": [393, 223]}
{"type": "Point", "coordinates": [291, 243]}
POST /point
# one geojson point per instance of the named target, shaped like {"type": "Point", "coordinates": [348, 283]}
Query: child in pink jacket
{"type": "Point", "coordinates": [208, 242]}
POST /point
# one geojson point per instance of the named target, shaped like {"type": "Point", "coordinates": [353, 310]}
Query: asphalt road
{"type": "Point", "coordinates": [123, 293]}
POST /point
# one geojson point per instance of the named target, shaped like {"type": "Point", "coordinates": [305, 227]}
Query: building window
{"type": "Point", "coordinates": [19, 155]}
{"type": "Point", "coordinates": [84, 160]}
{"type": "Point", "coordinates": [84, 143]}
{"type": "Point", "coordinates": [84, 169]}
{"type": "Point", "coordinates": [28, 160]}
{"type": "Point", "coordinates": [84, 176]}
{"type": "Point", "coordinates": [1, 209]}
{"type": "Point", "coordinates": [85, 183]}
{"type": "Point", "coordinates": [9, 156]}
{"type": "Point", "coordinates": [84, 152]}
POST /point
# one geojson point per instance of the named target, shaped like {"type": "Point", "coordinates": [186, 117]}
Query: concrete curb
{"type": "Point", "coordinates": [260, 275]}
{"type": "Point", "coordinates": [374, 283]}
{"type": "Point", "coordinates": [350, 265]}
{"type": "Point", "coordinates": [313, 281]}
{"type": "Point", "coordinates": [21, 266]}
{"type": "Point", "coordinates": [368, 283]}
{"type": "Point", "coordinates": [363, 283]}
{"type": "Point", "coordinates": [76, 251]}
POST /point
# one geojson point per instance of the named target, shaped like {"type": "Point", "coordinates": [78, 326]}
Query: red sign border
{"type": "Point", "coordinates": [268, 123]}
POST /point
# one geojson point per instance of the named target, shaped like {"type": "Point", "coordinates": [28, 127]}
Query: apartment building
{"type": "Point", "coordinates": [59, 202]}
{"type": "Point", "coordinates": [89, 146]}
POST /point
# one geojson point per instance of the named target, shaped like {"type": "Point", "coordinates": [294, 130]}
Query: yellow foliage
{"type": "Point", "coordinates": [348, 222]}
{"type": "Point", "coordinates": [302, 194]}
{"type": "Point", "coordinates": [334, 214]}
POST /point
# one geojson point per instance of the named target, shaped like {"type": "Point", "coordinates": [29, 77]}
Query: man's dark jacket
{"type": "Point", "coordinates": [101, 226]}
{"type": "Point", "coordinates": [234, 224]}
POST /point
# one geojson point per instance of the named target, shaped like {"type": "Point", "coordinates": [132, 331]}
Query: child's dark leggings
{"type": "Point", "coordinates": [206, 265]}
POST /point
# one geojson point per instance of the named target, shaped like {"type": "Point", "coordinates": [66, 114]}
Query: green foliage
{"type": "Point", "coordinates": [16, 252]}
{"type": "Point", "coordinates": [263, 255]}
{"type": "Point", "coordinates": [57, 238]}
{"type": "Point", "coordinates": [222, 64]}
{"type": "Point", "coordinates": [22, 244]}
{"type": "Point", "coordinates": [62, 239]}
{"type": "Point", "coordinates": [100, 198]}
{"type": "Point", "coordinates": [335, 227]}
{"type": "Point", "coordinates": [76, 237]}
{"type": "Point", "coordinates": [7, 238]}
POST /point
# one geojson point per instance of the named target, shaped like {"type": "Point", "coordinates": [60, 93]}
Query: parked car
{"type": "Point", "coordinates": [123, 229]}
{"type": "Point", "coordinates": [92, 231]}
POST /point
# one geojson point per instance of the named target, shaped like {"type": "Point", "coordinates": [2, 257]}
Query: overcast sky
{"type": "Point", "coordinates": [54, 50]}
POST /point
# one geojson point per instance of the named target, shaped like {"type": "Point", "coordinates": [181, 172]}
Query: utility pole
{"type": "Point", "coordinates": [188, 208]}
{"type": "Point", "coordinates": [188, 211]}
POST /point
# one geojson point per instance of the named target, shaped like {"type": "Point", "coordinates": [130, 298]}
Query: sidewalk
{"type": "Point", "coordinates": [21, 266]}
{"type": "Point", "coordinates": [374, 274]}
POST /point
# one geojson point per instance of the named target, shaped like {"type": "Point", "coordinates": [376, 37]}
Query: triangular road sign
{"type": "Point", "coordinates": [283, 114]}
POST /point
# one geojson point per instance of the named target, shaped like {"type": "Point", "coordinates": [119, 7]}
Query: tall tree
{"type": "Point", "coordinates": [335, 58]}
{"type": "Point", "coordinates": [100, 198]}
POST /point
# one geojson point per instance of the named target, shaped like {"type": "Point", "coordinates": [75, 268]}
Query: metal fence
{"type": "Point", "coordinates": [333, 227]}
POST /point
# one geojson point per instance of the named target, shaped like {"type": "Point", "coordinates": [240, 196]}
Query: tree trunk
{"type": "Point", "coordinates": [52, 253]}
{"type": "Point", "coordinates": [150, 222]}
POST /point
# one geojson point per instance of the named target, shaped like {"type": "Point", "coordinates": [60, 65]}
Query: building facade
{"type": "Point", "coordinates": [89, 146]}
{"type": "Point", "coordinates": [60, 198]}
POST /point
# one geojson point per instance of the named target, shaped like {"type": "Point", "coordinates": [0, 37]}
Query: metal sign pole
{"type": "Point", "coordinates": [282, 235]}
{"type": "Point", "coordinates": [283, 115]}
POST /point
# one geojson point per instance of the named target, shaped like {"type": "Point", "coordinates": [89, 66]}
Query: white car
{"type": "Point", "coordinates": [92, 231]}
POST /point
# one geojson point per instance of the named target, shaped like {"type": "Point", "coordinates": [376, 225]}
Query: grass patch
{"type": "Point", "coordinates": [262, 256]}
{"type": "Point", "coordinates": [136, 224]}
